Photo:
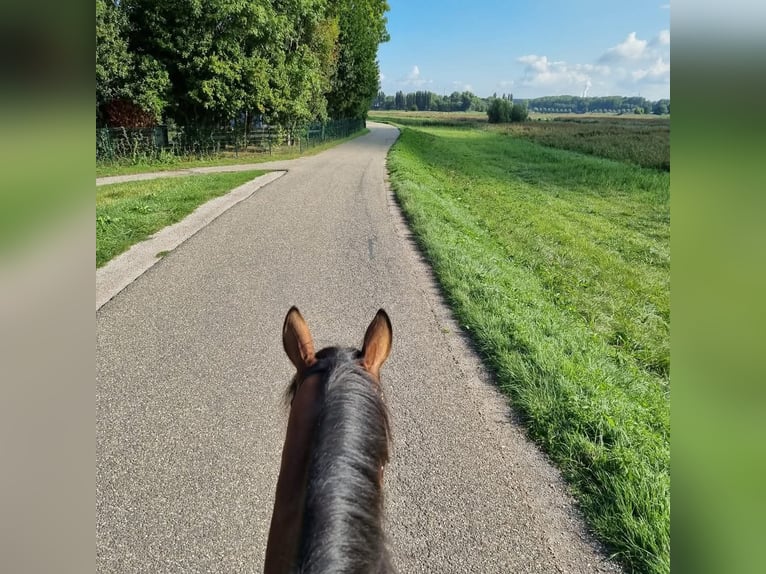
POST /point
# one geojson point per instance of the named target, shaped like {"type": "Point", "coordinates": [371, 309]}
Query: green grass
{"type": "Point", "coordinates": [643, 140]}
{"type": "Point", "coordinates": [558, 264]}
{"type": "Point", "coordinates": [127, 213]}
{"type": "Point", "coordinates": [227, 158]}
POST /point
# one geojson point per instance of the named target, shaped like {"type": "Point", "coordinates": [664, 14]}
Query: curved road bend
{"type": "Point", "coordinates": [191, 372]}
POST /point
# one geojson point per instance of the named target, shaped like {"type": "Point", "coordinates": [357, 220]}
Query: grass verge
{"type": "Point", "coordinates": [558, 264]}
{"type": "Point", "coordinates": [227, 158]}
{"type": "Point", "coordinates": [127, 213]}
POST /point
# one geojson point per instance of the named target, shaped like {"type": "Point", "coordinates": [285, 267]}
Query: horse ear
{"type": "Point", "coordinates": [377, 343]}
{"type": "Point", "coordinates": [297, 341]}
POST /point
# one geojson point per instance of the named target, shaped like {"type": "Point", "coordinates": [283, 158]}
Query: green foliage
{"type": "Point", "coordinates": [661, 107]}
{"type": "Point", "coordinates": [503, 111]}
{"type": "Point", "coordinates": [467, 101]}
{"type": "Point", "coordinates": [113, 62]}
{"type": "Point", "coordinates": [222, 61]}
{"type": "Point", "coordinates": [149, 85]}
{"type": "Point", "coordinates": [122, 74]}
{"type": "Point", "coordinates": [559, 266]}
{"type": "Point", "coordinates": [519, 113]}
{"type": "Point", "coordinates": [605, 104]}
{"type": "Point", "coordinates": [357, 76]}
{"type": "Point", "coordinates": [499, 111]}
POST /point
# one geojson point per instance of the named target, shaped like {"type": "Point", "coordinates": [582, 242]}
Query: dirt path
{"type": "Point", "coordinates": [190, 377]}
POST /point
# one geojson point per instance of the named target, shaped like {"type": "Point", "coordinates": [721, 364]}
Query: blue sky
{"type": "Point", "coordinates": [530, 49]}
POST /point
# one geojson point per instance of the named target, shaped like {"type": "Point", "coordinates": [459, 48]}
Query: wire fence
{"type": "Point", "coordinates": [139, 145]}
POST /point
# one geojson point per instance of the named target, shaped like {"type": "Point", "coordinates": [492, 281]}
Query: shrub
{"type": "Point", "coordinates": [519, 113]}
{"type": "Point", "coordinates": [499, 111]}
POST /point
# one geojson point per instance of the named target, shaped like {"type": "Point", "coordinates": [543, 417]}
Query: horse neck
{"type": "Point", "coordinates": [344, 501]}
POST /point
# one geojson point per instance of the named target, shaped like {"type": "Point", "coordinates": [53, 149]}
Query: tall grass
{"type": "Point", "coordinates": [558, 264]}
{"type": "Point", "coordinates": [641, 140]}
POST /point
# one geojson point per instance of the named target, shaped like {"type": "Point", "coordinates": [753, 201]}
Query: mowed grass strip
{"type": "Point", "coordinates": [127, 213]}
{"type": "Point", "coordinates": [558, 263]}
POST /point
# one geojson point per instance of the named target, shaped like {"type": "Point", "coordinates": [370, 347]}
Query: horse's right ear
{"type": "Point", "coordinates": [377, 343]}
{"type": "Point", "coordinates": [297, 340]}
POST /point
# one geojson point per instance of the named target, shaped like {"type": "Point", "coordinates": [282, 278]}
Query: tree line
{"type": "Point", "coordinates": [607, 104]}
{"type": "Point", "coordinates": [216, 62]}
{"type": "Point", "coordinates": [430, 101]}
{"type": "Point", "coordinates": [467, 101]}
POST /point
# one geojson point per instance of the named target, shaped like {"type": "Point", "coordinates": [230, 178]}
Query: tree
{"type": "Point", "coordinates": [519, 113]}
{"type": "Point", "coordinates": [112, 57]}
{"type": "Point", "coordinates": [357, 75]}
{"type": "Point", "coordinates": [661, 107]}
{"type": "Point", "coordinates": [400, 100]}
{"type": "Point", "coordinates": [499, 111]}
{"type": "Point", "coordinates": [226, 60]}
{"type": "Point", "coordinates": [128, 85]}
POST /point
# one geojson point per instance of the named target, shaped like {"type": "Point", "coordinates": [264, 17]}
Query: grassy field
{"type": "Point", "coordinates": [127, 213]}
{"type": "Point", "coordinates": [558, 264]}
{"type": "Point", "coordinates": [227, 158]}
{"type": "Point", "coordinates": [457, 119]}
{"type": "Point", "coordinates": [639, 139]}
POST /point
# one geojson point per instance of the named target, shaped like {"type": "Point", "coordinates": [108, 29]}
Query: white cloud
{"type": "Point", "coordinates": [658, 71]}
{"type": "Point", "coordinates": [413, 79]}
{"type": "Point", "coordinates": [634, 66]}
{"type": "Point", "coordinates": [662, 39]}
{"type": "Point", "coordinates": [630, 49]}
{"type": "Point", "coordinates": [665, 6]}
{"type": "Point", "coordinates": [558, 76]}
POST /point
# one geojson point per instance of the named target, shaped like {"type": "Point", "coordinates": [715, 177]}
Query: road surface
{"type": "Point", "coordinates": [191, 374]}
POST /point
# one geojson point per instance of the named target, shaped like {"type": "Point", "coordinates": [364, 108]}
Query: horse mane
{"type": "Point", "coordinates": [342, 529]}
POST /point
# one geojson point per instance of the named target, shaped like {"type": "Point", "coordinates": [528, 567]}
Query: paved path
{"type": "Point", "coordinates": [191, 373]}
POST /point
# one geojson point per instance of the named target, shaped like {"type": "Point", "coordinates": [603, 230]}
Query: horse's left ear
{"type": "Point", "coordinates": [377, 343]}
{"type": "Point", "coordinates": [297, 341]}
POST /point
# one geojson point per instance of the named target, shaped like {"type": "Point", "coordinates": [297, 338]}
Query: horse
{"type": "Point", "coordinates": [328, 508]}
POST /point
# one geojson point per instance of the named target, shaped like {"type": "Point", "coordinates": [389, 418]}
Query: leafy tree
{"type": "Point", "coordinates": [661, 107]}
{"type": "Point", "coordinates": [400, 100]}
{"type": "Point", "coordinates": [129, 85]}
{"type": "Point", "coordinates": [357, 75]}
{"type": "Point", "coordinates": [519, 113]}
{"type": "Point", "coordinates": [112, 57]}
{"type": "Point", "coordinates": [499, 111]}
{"type": "Point", "coordinates": [227, 58]}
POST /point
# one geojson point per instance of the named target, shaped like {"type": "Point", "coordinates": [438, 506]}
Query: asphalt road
{"type": "Point", "coordinates": [191, 374]}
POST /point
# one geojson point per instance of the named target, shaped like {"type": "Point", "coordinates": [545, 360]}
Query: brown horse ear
{"type": "Point", "coordinates": [297, 340]}
{"type": "Point", "coordinates": [377, 343]}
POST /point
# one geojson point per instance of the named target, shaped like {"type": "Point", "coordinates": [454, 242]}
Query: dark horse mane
{"type": "Point", "coordinates": [342, 530]}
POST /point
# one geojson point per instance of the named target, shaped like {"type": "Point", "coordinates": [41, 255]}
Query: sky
{"type": "Point", "coordinates": [529, 49]}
